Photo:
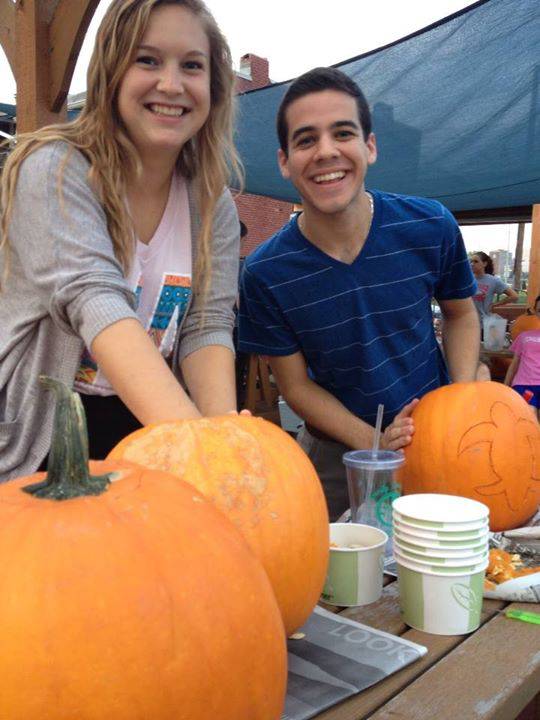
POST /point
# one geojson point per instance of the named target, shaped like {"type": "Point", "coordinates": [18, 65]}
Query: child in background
{"type": "Point", "coordinates": [524, 371]}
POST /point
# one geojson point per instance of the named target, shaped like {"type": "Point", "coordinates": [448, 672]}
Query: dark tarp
{"type": "Point", "coordinates": [456, 112]}
{"type": "Point", "coordinates": [7, 112]}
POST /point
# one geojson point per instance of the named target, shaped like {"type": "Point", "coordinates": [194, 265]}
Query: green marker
{"type": "Point", "coordinates": [530, 617]}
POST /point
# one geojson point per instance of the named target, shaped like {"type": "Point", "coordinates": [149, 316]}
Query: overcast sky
{"type": "Point", "coordinates": [296, 35]}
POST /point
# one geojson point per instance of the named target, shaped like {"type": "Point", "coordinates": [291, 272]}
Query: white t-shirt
{"type": "Point", "coordinates": [160, 276]}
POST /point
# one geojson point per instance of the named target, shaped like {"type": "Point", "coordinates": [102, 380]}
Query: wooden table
{"type": "Point", "coordinates": [491, 674]}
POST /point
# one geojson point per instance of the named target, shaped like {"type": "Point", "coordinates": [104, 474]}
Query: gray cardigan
{"type": "Point", "coordinates": [65, 286]}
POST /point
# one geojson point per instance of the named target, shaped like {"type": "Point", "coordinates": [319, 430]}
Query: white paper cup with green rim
{"type": "Point", "coordinates": [355, 567]}
{"type": "Point", "coordinates": [440, 569]}
{"type": "Point", "coordinates": [439, 543]}
{"type": "Point", "coordinates": [440, 604]}
{"type": "Point", "coordinates": [448, 561]}
{"type": "Point", "coordinates": [435, 511]}
{"type": "Point", "coordinates": [446, 527]}
{"type": "Point", "coordinates": [454, 536]}
{"type": "Point", "coordinates": [438, 552]}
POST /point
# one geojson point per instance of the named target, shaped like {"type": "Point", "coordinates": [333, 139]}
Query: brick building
{"type": "Point", "coordinates": [503, 263]}
{"type": "Point", "coordinates": [262, 216]}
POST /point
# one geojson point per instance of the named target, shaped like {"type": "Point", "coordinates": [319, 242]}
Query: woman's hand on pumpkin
{"type": "Point", "coordinates": [242, 412]}
{"type": "Point", "coordinates": [400, 431]}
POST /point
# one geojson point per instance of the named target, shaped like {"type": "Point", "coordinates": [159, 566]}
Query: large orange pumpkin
{"type": "Point", "coordinates": [480, 440]}
{"type": "Point", "coordinates": [263, 481]}
{"type": "Point", "coordinates": [129, 596]}
{"type": "Point", "coordinates": [522, 323]}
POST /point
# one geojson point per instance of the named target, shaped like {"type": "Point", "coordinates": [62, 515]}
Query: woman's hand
{"type": "Point", "coordinates": [400, 431]}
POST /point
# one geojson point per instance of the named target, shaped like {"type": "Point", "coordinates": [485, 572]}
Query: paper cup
{"type": "Point", "coordinates": [447, 561]}
{"type": "Point", "coordinates": [440, 605]}
{"type": "Point", "coordinates": [355, 574]}
{"type": "Point", "coordinates": [437, 511]}
{"type": "Point", "coordinates": [420, 541]}
{"type": "Point", "coordinates": [440, 534]}
{"type": "Point", "coordinates": [431, 569]}
{"type": "Point", "coordinates": [435, 552]}
{"type": "Point", "coordinates": [442, 527]}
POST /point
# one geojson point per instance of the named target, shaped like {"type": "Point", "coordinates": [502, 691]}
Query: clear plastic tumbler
{"type": "Point", "coordinates": [373, 486]}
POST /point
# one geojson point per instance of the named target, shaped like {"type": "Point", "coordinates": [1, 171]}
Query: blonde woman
{"type": "Point", "coordinates": [120, 240]}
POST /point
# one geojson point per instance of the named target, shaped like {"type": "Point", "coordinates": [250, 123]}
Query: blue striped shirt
{"type": "Point", "coordinates": [365, 329]}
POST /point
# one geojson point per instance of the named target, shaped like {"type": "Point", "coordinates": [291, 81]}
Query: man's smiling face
{"type": "Point", "coordinates": [327, 156]}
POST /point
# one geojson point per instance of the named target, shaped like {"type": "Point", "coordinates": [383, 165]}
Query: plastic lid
{"type": "Point", "coordinates": [369, 460]}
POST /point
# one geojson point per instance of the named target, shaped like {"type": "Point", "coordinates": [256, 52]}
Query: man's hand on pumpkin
{"type": "Point", "coordinates": [400, 431]}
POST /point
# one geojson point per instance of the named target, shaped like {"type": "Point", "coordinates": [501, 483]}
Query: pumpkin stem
{"type": "Point", "coordinates": [68, 474]}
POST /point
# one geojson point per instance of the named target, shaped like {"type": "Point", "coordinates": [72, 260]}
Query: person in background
{"type": "Point", "coordinates": [340, 297]}
{"type": "Point", "coordinates": [488, 286]}
{"type": "Point", "coordinates": [120, 239]}
{"type": "Point", "coordinates": [523, 373]}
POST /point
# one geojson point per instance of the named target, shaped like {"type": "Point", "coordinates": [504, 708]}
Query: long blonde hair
{"type": "Point", "coordinates": [99, 134]}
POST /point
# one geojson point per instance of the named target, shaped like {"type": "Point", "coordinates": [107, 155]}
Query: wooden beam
{"type": "Point", "coordinates": [533, 286]}
{"type": "Point", "coordinates": [493, 215]}
{"type": "Point", "coordinates": [32, 65]}
{"type": "Point", "coordinates": [7, 31]}
{"type": "Point", "coordinates": [518, 260]}
{"type": "Point", "coordinates": [68, 28]}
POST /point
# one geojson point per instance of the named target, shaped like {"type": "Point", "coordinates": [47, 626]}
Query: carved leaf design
{"type": "Point", "coordinates": [503, 431]}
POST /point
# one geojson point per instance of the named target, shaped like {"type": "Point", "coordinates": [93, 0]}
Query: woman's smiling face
{"type": "Point", "coordinates": [164, 97]}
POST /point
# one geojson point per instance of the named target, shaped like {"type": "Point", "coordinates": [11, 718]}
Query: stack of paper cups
{"type": "Point", "coordinates": [441, 550]}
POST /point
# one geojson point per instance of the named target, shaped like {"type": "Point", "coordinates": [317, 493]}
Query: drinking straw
{"type": "Point", "coordinates": [374, 450]}
{"type": "Point", "coordinates": [378, 426]}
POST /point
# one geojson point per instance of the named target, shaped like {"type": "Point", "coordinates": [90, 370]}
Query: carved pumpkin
{"type": "Point", "coordinates": [524, 322]}
{"type": "Point", "coordinates": [129, 595]}
{"type": "Point", "coordinates": [263, 481]}
{"type": "Point", "coordinates": [479, 440]}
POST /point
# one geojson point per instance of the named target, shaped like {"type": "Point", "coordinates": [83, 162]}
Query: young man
{"type": "Point", "coordinates": [340, 297]}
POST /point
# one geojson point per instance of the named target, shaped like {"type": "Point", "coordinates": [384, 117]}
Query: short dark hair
{"type": "Point", "coordinates": [317, 80]}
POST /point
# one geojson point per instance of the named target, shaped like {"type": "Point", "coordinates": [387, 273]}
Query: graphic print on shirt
{"type": "Point", "coordinates": [87, 369]}
{"type": "Point", "coordinates": [482, 291]}
{"type": "Point", "coordinates": [169, 308]}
